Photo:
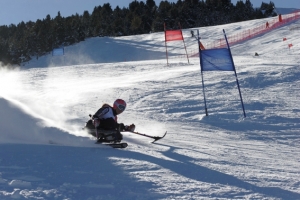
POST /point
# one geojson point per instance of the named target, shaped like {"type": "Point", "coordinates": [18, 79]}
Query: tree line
{"type": "Point", "coordinates": [19, 43]}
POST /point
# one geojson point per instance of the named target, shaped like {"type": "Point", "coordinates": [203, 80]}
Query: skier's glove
{"type": "Point", "coordinates": [130, 128]}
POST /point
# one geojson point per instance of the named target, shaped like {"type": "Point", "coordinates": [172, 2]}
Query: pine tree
{"type": "Point", "coordinates": [86, 23]}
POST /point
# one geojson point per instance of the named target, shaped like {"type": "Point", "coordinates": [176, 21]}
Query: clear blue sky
{"type": "Point", "coordinates": [15, 11]}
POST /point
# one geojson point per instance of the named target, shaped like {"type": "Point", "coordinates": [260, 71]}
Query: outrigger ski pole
{"type": "Point", "coordinates": [149, 136]}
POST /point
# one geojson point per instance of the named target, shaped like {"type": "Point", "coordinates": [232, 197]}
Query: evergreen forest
{"type": "Point", "coordinates": [26, 40]}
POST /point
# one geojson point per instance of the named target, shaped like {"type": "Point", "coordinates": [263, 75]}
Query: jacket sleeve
{"type": "Point", "coordinates": [101, 112]}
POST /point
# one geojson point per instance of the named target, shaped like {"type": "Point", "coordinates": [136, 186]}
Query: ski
{"type": "Point", "coordinates": [114, 145]}
{"type": "Point", "coordinates": [118, 145]}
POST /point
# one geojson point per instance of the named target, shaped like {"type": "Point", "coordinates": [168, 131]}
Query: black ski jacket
{"type": "Point", "coordinates": [108, 118]}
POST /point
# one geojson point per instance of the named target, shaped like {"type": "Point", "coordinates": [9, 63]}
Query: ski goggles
{"type": "Point", "coordinates": [121, 107]}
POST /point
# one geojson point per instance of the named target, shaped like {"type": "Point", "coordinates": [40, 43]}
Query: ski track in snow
{"type": "Point", "coordinates": [45, 155]}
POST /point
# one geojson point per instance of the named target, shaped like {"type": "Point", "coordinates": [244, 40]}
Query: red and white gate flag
{"type": "Point", "coordinates": [173, 35]}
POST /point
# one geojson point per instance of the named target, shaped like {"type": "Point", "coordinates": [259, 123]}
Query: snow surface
{"type": "Point", "coordinates": [44, 154]}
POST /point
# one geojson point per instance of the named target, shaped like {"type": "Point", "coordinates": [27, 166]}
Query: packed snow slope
{"type": "Point", "coordinates": [44, 154]}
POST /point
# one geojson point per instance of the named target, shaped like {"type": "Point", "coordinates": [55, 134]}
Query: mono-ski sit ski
{"type": "Point", "coordinates": [104, 127]}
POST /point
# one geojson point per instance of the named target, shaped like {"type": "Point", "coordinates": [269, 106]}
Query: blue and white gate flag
{"type": "Point", "coordinates": [216, 60]}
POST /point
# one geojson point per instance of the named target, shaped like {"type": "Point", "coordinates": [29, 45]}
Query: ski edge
{"type": "Point", "coordinates": [115, 145]}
